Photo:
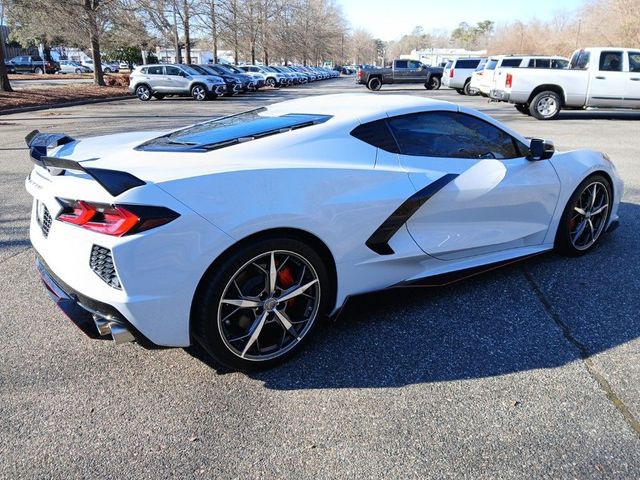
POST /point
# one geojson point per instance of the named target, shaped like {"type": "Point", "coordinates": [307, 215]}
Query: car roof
{"type": "Point", "coordinates": [359, 106]}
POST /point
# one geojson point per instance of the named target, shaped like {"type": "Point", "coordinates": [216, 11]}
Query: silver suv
{"type": "Point", "coordinates": [157, 81]}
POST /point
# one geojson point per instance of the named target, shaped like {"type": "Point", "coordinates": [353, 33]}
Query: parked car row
{"type": "Point", "coordinates": [35, 64]}
{"type": "Point", "coordinates": [204, 82]}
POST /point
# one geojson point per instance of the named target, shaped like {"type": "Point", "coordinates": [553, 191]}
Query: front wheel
{"type": "Point", "coordinates": [107, 70]}
{"type": "Point", "coordinates": [432, 84]}
{"type": "Point", "coordinates": [545, 105]}
{"type": "Point", "coordinates": [38, 71]}
{"type": "Point", "coordinates": [199, 93]}
{"type": "Point", "coordinates": [259, 306]}
{"type": "Point", "coordinates": [374, 84]}
{"type": "Point", "coordinates": [585, 217]}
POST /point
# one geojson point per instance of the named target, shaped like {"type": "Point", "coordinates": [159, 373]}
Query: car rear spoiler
{"type": "Point", "coordinates": [113, 181]}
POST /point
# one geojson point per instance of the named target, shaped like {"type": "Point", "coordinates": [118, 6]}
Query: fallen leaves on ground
{"type": "Point", "coordinates": [57, 94]}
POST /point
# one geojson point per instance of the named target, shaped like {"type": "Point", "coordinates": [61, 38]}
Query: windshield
{"type": "Point", "coordinates": [491, 64]}
{"type": "Point", "coordinates": [195, 70]}
{"type": "Point", "coordinates": [579, 60]}
{"type": "Point", "coordinates": [231, 130]}
{"type": "Point", "coordinates": [234, 69]}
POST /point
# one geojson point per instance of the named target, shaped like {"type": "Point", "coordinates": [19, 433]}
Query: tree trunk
{"type": "Point", "coordinates": [5, 85]}
{"type": "Point", "coordinates": [176, 37]}
{"type": "Point", "coordinates": [235, 33]}
{"type": "Point", "coordinates": [90, 7]}
{"type": "Point", "coordinates": [187, 36]}
{"type": "Point", "coordinates": [214, 31]}
{"type": "Point", "coordinates": [253, 53]}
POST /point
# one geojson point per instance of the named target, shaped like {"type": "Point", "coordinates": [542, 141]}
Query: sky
{"type": "Point", "coordinates": [390, 19]}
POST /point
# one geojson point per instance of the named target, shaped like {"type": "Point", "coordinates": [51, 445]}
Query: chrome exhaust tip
{"type": "Point", "coordinates": [118, 332]}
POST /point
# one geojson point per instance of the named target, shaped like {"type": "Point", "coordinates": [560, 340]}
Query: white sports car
{"type": "Point", "coordinates": [240, 232]}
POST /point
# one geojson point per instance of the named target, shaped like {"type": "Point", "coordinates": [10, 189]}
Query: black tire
{"type": "Point", "coordinates": [199, 92]}
{"type": "Point", "coordinates": [38, 71]}
{"type": "Point", "coordinates": [432, 84]}
{"type": "Point", "coordinates": [546, 105]}
{"type": "Point", "coordinates": [158, 96]}
{"type": "Point", "coordinates": [270, 82]}
{"type": "Point", "coordinates": [523, 108]}
{"type": "Point", "coordinates": [571, 220]}
{"type": "Point", "coordinates": [468, 90]}
{"type": "Point", "coordinates": [460, 91]}
{"type": "Point", "coordinates": [143, 92]}
{"type": "Point", "coordinates": [212, 325]}
{"type": "Point", "coordinates": [78, 71]}
{"type": "Point", "coordinates": [107, 70]}
{"type": "Point", "coordinates": [374, 84]}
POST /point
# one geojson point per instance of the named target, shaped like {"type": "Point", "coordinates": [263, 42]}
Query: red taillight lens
{"type": "Point", "coordinates": [115, 220]}
{"type": "Point", "coordinates": [508, 81]}
{"type": "Point", "coordinates": [451, 73]}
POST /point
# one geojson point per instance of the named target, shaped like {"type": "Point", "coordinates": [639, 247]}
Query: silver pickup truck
{"type": "Point", "coordinates": [597, 77]}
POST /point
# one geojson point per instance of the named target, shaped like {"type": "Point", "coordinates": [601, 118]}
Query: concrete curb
{"type": "Point", "coordinates": [34, 108]}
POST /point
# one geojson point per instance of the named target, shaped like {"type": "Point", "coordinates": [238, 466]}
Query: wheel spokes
{"type": "Point", "coordinates": [295, 291]}
{"type": "Point", "coordinates": [242, 302]}
{"type": "Point", "coordinates": [255, 333]}
{"type": "Point", "coordinates": [286, 323]}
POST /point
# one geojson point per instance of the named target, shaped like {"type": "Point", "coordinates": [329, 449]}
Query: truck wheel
{"type": "Point", "coordinates": [374, 84]}
{"type": "Point", "coordinates": [38, 71]}
{"type": "Point", "coordinates": [460, 91]}
{"type": "Point", "coordinates": [467, 90]}
{"type": "Point", "coordinates": [545, 105]}
{"type": "Point", "coordinates": [433, 83]}
{"type": "Point", "coordinates": [523, 108]}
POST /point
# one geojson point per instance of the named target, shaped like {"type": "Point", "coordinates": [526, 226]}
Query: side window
{"type": "Point", "coordinates": [155, 71]}
{"type": "Point", "coordinates": [611, 61]}
{"type": "Point", "coordinates": [175, 71]}
{"type": "Point", "coordinates": [511, 62]}
{"type": "Point", "coordinates": [413, 64]}
{"type": "Point", "coordinates": [559, 64]}
{"type": "Point", "coordinates": [634, 62]}
{"type": "Point", "coordinates": [143, 70]}
{"type": "Point", "coordinates": [451, 135]}
{"type": "Point", "coordinates": [543, 63]}
{"type": "Point", "coordinates": [401, 64]}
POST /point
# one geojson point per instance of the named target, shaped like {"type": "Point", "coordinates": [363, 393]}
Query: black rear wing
{"type": "Point", "coordinates": [113, 181]}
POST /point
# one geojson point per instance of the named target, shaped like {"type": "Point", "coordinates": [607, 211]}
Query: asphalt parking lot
{"type": "Point", "coordinates": [530, 371]}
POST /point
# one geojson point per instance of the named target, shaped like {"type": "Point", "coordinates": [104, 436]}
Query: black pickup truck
{"type": "Point", "coordinates": [402, 71]}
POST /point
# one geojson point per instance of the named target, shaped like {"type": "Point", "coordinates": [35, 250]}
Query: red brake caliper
{"type": "Point", "coordinates": [285, 279]}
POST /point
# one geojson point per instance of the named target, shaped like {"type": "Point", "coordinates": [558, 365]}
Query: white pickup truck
{"type": "Point", "coordinates": [596, 77]}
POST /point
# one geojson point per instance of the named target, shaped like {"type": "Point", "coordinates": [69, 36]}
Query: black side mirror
{"type": "Point", "coordinates": [540, 149]}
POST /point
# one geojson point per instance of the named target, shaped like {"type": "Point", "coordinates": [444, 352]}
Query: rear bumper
{"type": "Point", "coordinates": [499, 95]}
{"type": "Point", "coordinates": [95, 319]}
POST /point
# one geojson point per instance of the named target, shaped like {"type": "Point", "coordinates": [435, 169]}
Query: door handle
{"type": "Point", "coordinates": [601, 78]}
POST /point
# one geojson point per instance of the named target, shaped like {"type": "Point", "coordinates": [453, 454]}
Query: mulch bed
{"type": "Point", "coordinates": [58, 94]}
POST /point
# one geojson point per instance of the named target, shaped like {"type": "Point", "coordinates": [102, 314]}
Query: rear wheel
{"type": "Point", "coordinates": [545, 105]}
{"type": "Point", "coordinates": [261, 303]}
{"type": "Point", "coordinates": [374, 84]}
{"type": "Point", "coordinates": [467, 89]}
{"type": "Point", "coordinates": [38, 70]}
{"type": "Point", "coordinates": [585, 217]}
{"type": "Point", "coordinates": [107, 70]}
{"type": "Point", "coordinates": [199, 92]}
{"type": "Point", "coordinates": [78, 70]}
{"type": "Point", "coordinates": [143, 92]}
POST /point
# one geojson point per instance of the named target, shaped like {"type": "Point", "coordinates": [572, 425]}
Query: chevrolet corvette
{"type": "Point", "coordinates": [241, 232]}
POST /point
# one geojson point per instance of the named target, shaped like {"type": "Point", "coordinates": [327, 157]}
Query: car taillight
{"type": "Point", "coordinates": [115, 220]}
{"type": "Point", "coordinates": [508, 81]}
{"type": "Point", "coordinates": [451, 73]}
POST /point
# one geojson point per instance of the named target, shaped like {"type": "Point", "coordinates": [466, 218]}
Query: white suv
{"type": "Point", "coordinates": [494, 70]}
{"type": "Point", "coordinates": [457, 74]}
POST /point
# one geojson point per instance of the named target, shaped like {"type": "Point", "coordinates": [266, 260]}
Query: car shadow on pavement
{"type": "Point", "coordinates": [493, 324]}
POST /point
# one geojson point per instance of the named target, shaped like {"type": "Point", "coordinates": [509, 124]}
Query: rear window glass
{"type": "Point", "coordinates": [231, 130]}
{"type": "Point", "coordinates": [467, 63]}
